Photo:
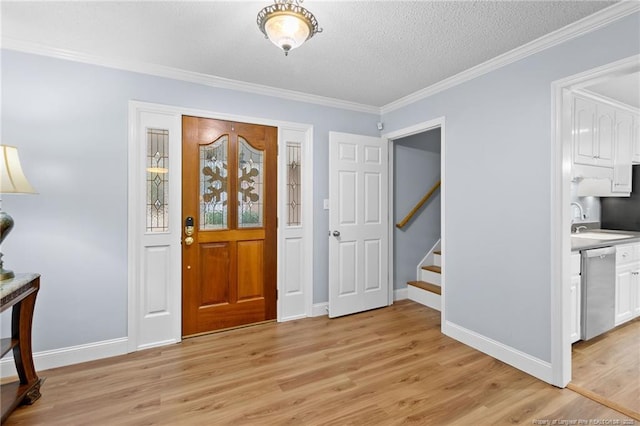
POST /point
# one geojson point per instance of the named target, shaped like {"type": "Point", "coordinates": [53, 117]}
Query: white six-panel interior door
{"type": "Point", "coordinates": [359, 223]}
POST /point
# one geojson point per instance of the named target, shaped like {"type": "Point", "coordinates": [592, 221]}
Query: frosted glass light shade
{"type": "Point", "coordinates": [287, 31]}
{"type": "Point", "coordinates": [12, 178]}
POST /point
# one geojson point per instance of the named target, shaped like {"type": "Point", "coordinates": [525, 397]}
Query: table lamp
{"type": "Point", "coordinates": [12, 181]}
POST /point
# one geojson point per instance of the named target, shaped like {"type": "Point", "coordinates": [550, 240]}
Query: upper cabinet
{"type": "Point", "coordinates": [593, 132]}
{"type": "Point", "coordinates": [623, 152]}
{"type": "Point", "coordinates": [606, 142]}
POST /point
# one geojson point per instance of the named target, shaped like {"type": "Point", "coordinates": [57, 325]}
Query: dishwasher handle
{"type": "Point", "coordinates": [600, 252]}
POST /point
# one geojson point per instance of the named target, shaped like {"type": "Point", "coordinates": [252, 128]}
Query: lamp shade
{"type": "Point", "coordinates": [12, 178]}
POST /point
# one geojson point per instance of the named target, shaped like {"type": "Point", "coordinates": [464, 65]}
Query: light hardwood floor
{"type": "Point", "coordinates": [609, 366]}
{"type": "Point", "coordinates": [382, 367]}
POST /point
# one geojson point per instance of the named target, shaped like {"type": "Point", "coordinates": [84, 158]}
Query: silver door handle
{"type": "Point", "coordinates": [336, 233]}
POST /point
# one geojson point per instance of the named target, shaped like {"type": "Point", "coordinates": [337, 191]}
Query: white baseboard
{"type": "Point", "coordinates": [67, 356]}
{"type": "Point", "coordinates": [515, 358]}
{"type": "Point", "coordinates": [320, 309]}
{"type": "Point", "coordinates": [292, 318]}
{"type": "Point", "coordinates": [158, 344]}
{"type": "Point", "coordinates": [400, 293]}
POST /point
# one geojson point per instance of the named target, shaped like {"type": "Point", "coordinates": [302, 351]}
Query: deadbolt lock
{"type": "Point", "coordinates": [188, 227]}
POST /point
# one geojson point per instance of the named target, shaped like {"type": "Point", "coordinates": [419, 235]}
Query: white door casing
{"type": "Point", "coordinates": [154, 259]}
{"type": "Point", "coordinates": [358, 221]}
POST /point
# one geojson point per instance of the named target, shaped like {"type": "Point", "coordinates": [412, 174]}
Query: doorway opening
{"type": "Point", "coordinates": [573, 207]}
{"type": "Point", "coordinates": [417, 156]}
{"type": "Point", "coordinates": [417, 215]}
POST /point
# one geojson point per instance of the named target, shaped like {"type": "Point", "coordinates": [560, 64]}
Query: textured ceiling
{"type": "Point", "coordinates": [370, 52]}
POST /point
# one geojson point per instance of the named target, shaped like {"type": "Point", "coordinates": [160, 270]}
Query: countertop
{"type": "Point", "coordinates": [588, 243]}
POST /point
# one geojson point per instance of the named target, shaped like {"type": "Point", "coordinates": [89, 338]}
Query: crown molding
{"type": "Point", "coordinates": [571, 31]}
{"type": "Point", "coordinates": [182, 75]}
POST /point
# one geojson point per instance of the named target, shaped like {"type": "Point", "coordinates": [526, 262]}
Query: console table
{"type": "Point", "coordinates": [20, 294]}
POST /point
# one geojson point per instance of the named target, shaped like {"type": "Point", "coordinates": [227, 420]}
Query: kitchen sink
{"type": "Point", "coordinates": [600, 236]}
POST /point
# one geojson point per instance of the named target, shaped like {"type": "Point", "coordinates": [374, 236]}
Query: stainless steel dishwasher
{"type": "Point", "coordinates": [598, 291]}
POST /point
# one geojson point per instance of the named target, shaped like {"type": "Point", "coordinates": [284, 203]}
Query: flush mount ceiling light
{"type": "Point", "coordinates": [287, 24]}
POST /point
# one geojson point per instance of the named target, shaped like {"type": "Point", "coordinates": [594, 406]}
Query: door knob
{"type": "Point", "coordinates": [188, 241]}
{"type": "Point", "coordinates": [336, 233]}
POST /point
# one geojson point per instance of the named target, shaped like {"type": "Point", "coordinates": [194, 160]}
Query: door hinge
{"type": "Point", "coordinates": [277, 294]}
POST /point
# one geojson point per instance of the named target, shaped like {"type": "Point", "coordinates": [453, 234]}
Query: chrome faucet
{"type": "Point", "coordinates": [579, 228]}
{"type": "Point", "coordinates": [579, 206]}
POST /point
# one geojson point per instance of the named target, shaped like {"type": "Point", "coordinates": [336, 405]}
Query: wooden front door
{"type": "Point", "coordinates": [229, 195]}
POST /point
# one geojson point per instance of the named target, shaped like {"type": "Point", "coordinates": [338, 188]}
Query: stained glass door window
{"type": "Point", "coordinates": [294, 195]}
{"type": "Point", "coordinates": [214, 208]}
{"type": "Point", "coordinates": [157, 167]}
{"type": "Point", "coordinates": [250, 185]}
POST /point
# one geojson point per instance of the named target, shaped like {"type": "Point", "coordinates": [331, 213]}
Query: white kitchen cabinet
{"type": "Point", "coordinates": [635, 282]}
{"type": "Point", "coordinates": [575, 296]}
{"type": "Point", "coordinates": [593, 132]}
{"type": "Point", "coordinates": [623, 152]}
{"type": "Point", "coordinates": [635, 139]}
{"type": "Point", "coordinates": [606, 142]}
{"type": "Point", "coordinates": [623, 308]}
{"type": "Point", "coordinates": [635, 292]}
{"type": "Point", "coordinates": [627, 302]}
{"type": "Point", "coordinates": [605, 134]}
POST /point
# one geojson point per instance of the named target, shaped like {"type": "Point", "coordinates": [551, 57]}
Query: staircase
{"type": "Point", "coordinates": [427, 290]}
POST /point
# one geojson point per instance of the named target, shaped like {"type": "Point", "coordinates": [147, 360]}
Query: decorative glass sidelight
{"type": "Point", "coordinates": [214, 184]}
{"type": "Point", "coordinates": [294, 196]}
{"type": "Point", "coordinates": [250, 185]}
{"type": "Point", "coordinates": [157, 180]}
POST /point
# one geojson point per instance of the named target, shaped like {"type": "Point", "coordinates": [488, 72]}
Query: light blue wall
{"type": "Point", "coordinates": [69, 121]}
{"type": "Point", "coordinates": [416, 168]}
{"type": "Point", "coordinates": [497, 169]}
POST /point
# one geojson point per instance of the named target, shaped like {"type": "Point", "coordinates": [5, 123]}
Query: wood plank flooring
{"type": "Point", "coordinates": [609, 366]}
{"type": "Point", "coordinates": [384, 367]}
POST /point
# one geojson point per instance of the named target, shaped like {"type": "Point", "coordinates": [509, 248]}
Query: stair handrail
{"type": "Point", "coordinates": [415, 209]}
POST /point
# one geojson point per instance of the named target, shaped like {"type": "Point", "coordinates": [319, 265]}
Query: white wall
{"type": "Point", "coordinates": [416, 168]}
{"type": "Point", "coordinates": [69, 121]}
{"type": "Point", "coordinates": [497, 173]}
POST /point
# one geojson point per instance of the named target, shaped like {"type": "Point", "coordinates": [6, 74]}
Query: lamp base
{"type": "Point", "coordinates": [5, 274]}
{"type": "Point", "coordinates": [6, 225]}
